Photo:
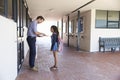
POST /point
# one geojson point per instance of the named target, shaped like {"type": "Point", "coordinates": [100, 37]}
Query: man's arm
{"type": "Point", "coordinates": [39, 34]}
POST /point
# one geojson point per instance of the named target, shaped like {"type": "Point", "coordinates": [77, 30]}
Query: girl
{"type": "Point", "coordinates": [54, 45]}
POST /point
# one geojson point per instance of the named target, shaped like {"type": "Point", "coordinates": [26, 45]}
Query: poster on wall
{"type": "Point", "coordinates": [79, 26]}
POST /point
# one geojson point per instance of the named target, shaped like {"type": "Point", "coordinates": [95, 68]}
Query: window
{"type": "Point", "coordinates": [113, 19]}
{"type": "Point", "coordinates": [6, 8]}
{"type": "Point", "coordinates": [1, 7]}
{"type": "Point", "coordinates": [9, 9]}
{"type": "Point", "coordinates": [24, 14]}
{"type": "Point", "coordinates": [101, 19]}
{"type": "Point", "coordinates": [107, 19]}
{"type": "Point", "coordinates": [81, 28]}
{"type": "Point", "coordinates": [76, 25]}
{"type": "Point", "coordinates": [81, 24]}
{"type": "Point", "coordinates": [70, 27]}
{"type": "Point", "coordinates": [64, 28]}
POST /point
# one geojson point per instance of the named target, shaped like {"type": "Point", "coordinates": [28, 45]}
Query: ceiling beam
{"type": "Point", "coordinates": [82, 6]}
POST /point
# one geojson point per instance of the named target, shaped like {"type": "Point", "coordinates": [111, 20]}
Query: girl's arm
{"type": "Point", "coordinates": [54, 37]}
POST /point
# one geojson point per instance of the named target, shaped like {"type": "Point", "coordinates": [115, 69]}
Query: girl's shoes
{"type": "Point", "coordinates": [53, 67]}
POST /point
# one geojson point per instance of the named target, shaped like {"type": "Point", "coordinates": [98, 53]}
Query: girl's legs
{"type": "Point", "coordinates": [55, 58]}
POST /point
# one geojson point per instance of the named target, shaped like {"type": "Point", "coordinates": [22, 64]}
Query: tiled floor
{"type": "Point", "coordinates": [73, 65]}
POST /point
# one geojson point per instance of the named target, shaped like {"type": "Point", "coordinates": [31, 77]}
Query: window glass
{"type": "Point", "coordinates": [24, 16]}
{"type": "Point", "coordinates": [81, 24]}
{"type": "Point", "coordinates": [64, 27]}
{"type": "Point", "coordinates": [107, 19]}
{"type": "Point", "coordinates": [76, 25]}
{"type": "Point", "coordinates": [9, 9]}
{"type": "Point", "coordinates": [1, 7]}
{"type": "Point", "coordinates": [70, 27]}
{"type": "Point", "coordinates": [101, 18]}
{"type": "Point", "coordinates": [113, 16]}
{"type": "Point", "coordinates": [113, 19]}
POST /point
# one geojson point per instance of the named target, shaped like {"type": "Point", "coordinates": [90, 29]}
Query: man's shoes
{"type": "Point", "coordinates": [34, 69]}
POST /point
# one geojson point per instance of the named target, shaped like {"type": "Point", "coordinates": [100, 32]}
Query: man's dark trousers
{"type": "Point", "coordinates": [32, 46]}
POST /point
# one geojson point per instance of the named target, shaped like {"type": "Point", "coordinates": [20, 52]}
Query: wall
{"type": "Point", "coordinates": [90, 36]}
{"type": "Point", "coordinates": [65, 37]}
{"type": "Point", "coordinates": [8, 49]}
{"type": "Point", "coordinates": [85, 35]}
{"type": "Point", "coordinates": [72, 37]}
{"type": "Point", "coordinates": [96, 33]}
{"type": "Point", "coordinates": [26, 48]}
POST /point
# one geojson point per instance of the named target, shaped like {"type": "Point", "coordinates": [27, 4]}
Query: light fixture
{"type": "Point", "coordinates": [51, 10]}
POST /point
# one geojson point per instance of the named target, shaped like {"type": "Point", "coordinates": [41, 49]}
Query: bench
{"type": "Point", "coordinates": [109, 43]}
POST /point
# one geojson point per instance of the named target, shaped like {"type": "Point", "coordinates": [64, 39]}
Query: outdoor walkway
{"type": "Point", "coordinates": [73, 65]}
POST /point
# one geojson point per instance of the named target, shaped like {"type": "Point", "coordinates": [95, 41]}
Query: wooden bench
{"type": "Point", "coordinates": [109, 43]}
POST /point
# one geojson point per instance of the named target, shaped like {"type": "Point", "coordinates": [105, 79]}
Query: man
{"type": "Point", "coordinates": [31, 39]}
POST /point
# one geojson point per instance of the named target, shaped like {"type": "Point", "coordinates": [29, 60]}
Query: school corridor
{"type": "Point", "coordinates": [73, 65]}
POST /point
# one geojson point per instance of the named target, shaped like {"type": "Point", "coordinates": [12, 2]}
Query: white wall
{"type": "Point", "coordinates": [26, 48]}
{"type": "Point", "coordinates": [8, 49]}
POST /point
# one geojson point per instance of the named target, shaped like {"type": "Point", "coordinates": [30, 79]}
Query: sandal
{"type": "Point", "coordinates": [53, 67]}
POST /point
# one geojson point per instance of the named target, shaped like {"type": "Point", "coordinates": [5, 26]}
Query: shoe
{"type": "Point", "coordinates": [34, 69]}
{"type": "Point", "coordinates": [54, 67]}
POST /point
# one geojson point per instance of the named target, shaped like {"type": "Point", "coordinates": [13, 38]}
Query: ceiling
{"type": "Point", "coordinates": [56, 9]}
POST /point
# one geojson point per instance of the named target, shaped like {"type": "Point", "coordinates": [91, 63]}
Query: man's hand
{"type": "Point", "coordinates": [42, 34]}
{"type": "Point", "coordinates": [39, 34]}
